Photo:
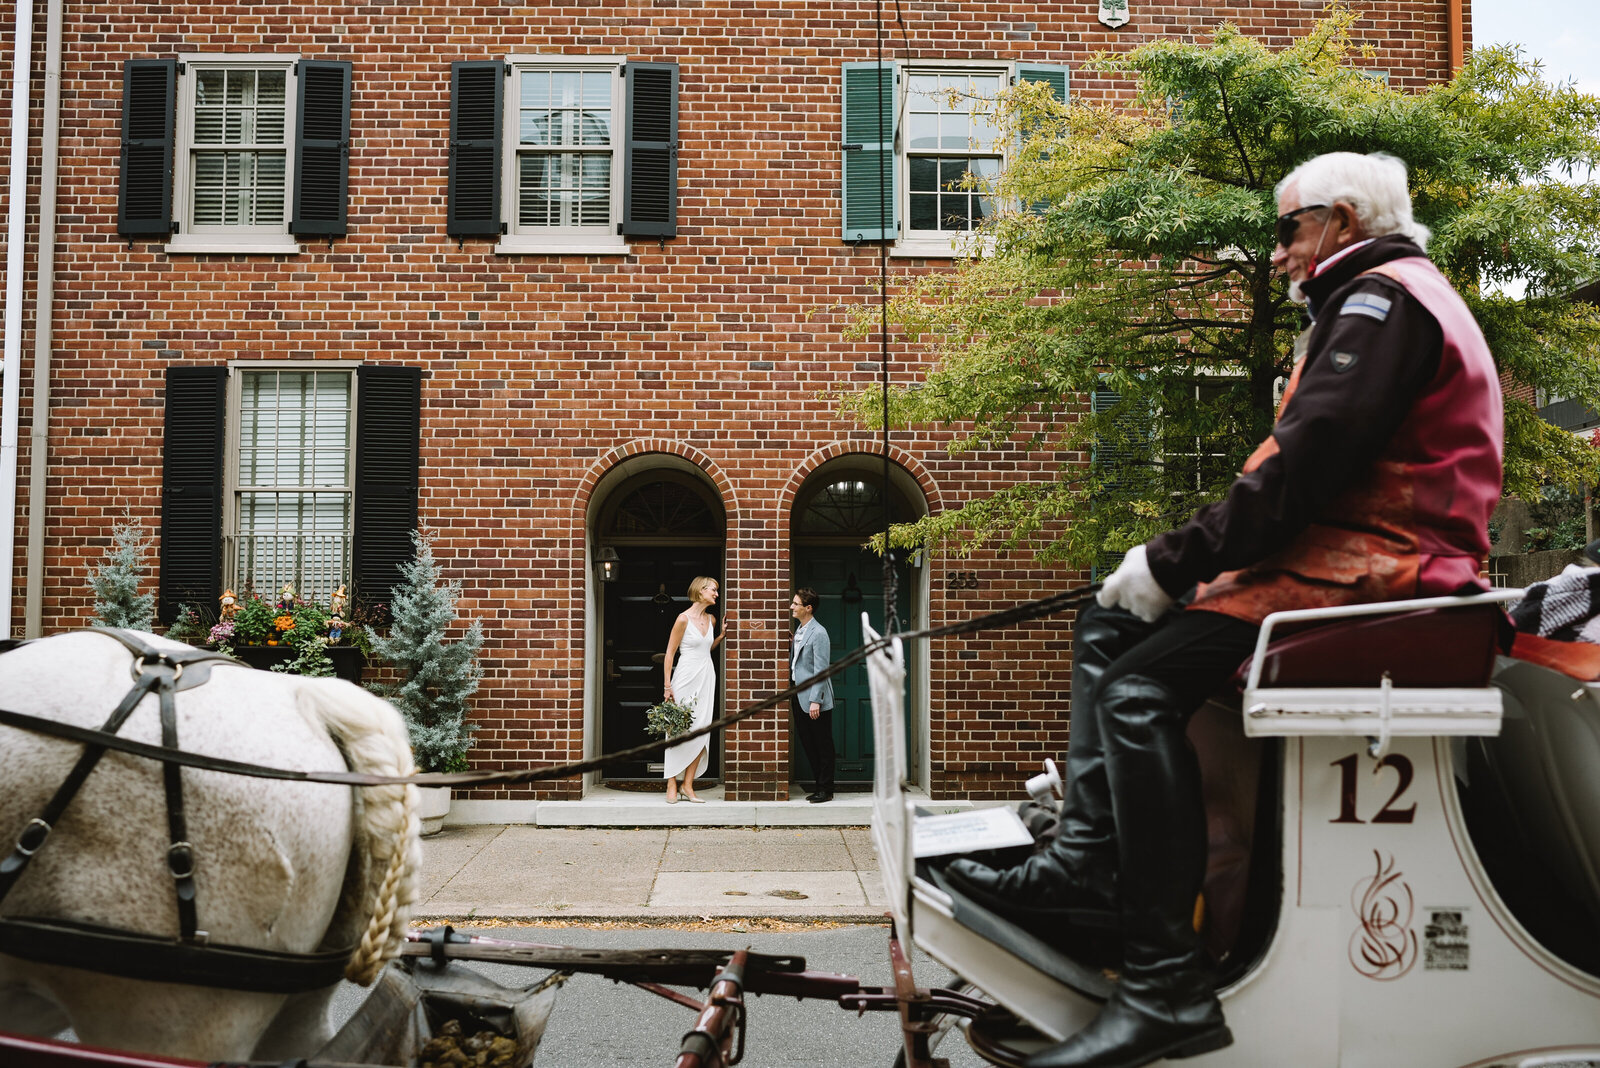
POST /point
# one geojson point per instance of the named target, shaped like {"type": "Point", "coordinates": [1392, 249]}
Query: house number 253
{"type": "Point", "coordinates": [1388, 813]}
{"type": "Point", "coordinates": [963, 580]}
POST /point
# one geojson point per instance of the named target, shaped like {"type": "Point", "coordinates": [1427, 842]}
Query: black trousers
{"type": "Point", "coordinates": [816, 739]}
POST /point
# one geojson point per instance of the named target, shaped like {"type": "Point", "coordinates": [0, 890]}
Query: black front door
{"type": "Point", "coordinates": [640, 608]}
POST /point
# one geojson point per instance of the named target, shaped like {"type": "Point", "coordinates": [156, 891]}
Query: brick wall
{"type": "Point", "coordinates": [543, 372]}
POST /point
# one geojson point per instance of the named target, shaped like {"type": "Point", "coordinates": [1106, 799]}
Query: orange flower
{"type": "Point", "coordinates": [284, 622]}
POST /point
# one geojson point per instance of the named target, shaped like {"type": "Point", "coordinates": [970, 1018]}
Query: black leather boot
{"type": "Point", "coordinates": [1165, 1005]}
{"type": "Point", "coordinates": [1073, 879]}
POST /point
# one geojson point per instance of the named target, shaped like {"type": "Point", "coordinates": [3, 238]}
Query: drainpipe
{"type": "Point", "coordinates": [11, 363]}
{"type": "Point", "coordinates": [1458, 48]}
{"type": "Point", "coordinates": [43, 324]}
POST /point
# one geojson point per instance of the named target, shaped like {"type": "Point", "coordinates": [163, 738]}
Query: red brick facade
{"type": "Point", "coordinates": [543, 372]}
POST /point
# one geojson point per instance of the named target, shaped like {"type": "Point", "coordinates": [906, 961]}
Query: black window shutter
{"type": "Point", "coordinates": [144, 190]}
{"type": "Point", "coordinates": [650, 152]}
{"type": "Point", "coordinates": [191, 490]}
{"type": "Point", "coordinates": [322, 149]}
{"type": "Point", "coordinates": [388, 439]}
{"type": "Point", "coordinates": [477, 93]}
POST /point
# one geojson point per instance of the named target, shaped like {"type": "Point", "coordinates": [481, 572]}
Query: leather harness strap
{"type": "Point", "coordinates": [142, 956]}
{"type": "Point", "coordinates": [191, 958]}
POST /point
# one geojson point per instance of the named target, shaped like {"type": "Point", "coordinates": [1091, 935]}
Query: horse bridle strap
{"type": "Point", "coordinates": [143, 956]}
{"type": "Point", "coordinates": [87, 945]}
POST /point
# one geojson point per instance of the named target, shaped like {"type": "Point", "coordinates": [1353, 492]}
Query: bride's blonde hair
{"type": "Point", "coordinates": [700, 582]}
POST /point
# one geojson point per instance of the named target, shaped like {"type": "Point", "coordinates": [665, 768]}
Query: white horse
{"type": "Point", "coordinates": [271, 856]}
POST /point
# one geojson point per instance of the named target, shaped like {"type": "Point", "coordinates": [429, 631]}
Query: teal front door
{"type": "Point", "coordinates": [849, 580]}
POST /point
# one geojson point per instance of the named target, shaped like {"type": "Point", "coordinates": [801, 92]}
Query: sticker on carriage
{"type": "Point", "coordinates": [1445, 943]}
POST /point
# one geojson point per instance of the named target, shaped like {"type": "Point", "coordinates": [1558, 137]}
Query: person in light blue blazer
{"type": "Point", "coordinates": [809, 653]}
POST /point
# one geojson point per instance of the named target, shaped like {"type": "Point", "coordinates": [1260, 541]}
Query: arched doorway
{"type": "Point", "coordinates": [657, 529]}
{"type": "Point", "coordinates": [839, 507]}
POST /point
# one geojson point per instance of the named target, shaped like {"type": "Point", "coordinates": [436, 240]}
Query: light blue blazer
{"type": "Point", "coordinates": [811, 654]}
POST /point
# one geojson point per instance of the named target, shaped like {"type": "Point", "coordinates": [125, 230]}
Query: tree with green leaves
{"type": "Point", "coordinates": [1131, 314]}
{"type": "Point", "coordinates": [117, 600]}
{"type": "Point", "coordinates": [437, 678]}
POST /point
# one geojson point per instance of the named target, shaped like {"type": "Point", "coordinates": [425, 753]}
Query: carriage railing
{"type": "Point", "coordinates": [1381, 711]}
{"type": "Point", "coordinates": [317, 564]}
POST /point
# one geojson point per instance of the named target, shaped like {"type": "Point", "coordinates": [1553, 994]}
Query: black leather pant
{"type": "Point", "coordinates": [1133, 812]}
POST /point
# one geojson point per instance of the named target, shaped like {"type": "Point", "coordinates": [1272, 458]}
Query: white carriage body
{"type": "Point", "coordinates": [1391, 947]}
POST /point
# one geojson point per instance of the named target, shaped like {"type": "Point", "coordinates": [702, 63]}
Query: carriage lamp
{"type": "Point", "coordinates": [610, 563]}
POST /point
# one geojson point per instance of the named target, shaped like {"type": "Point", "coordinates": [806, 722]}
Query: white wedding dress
{"type": "Point", "coordinates": [694, 683]}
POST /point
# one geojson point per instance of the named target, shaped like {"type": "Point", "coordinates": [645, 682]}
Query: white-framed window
{"type": "Point", "coordinates": [922, 149]}
{"type": "Point", "coordinates": [948, 135]}
{"type": "Point", "coordinates": [290, 505]}
{"type": "Point", "coordinates": [234, 159]}
{"type": "Point", "coordinates": [563, 170]}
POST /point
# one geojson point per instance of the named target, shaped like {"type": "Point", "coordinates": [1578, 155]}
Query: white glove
{"type": "Point", "coordinates": [1131, 586]}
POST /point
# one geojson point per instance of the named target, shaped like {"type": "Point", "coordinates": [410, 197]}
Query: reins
{"type": "Point", "coordinates": [106, 740]}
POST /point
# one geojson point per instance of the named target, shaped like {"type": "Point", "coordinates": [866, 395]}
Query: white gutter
{"type": "Point", "coordinates": [11, 367]}
{"type": "Point", "coordinates": [43, 324]}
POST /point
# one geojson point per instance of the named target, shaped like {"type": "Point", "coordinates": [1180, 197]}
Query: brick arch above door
{"type": "Point", "coordinates": [640, 456]}
{"type": "Point", "coordinates": [870, 460]}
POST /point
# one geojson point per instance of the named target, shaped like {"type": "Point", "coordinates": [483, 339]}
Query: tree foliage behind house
{"type": "Point", "coordinates": [1142, 277]}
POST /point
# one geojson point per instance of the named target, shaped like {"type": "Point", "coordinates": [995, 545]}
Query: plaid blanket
{"type": "Point", "coordinates": [1565, 608]}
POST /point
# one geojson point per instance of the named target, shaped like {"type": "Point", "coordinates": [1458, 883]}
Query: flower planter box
{"type": "Point", "coordinates": [347, 660]}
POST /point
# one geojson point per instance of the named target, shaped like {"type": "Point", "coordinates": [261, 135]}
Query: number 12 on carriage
{"type": "Point", "coordinates": [1391, 811]}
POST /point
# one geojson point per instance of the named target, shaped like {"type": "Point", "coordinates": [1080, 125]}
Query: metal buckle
{"type": "Point", "coordinates": [161, 658]}
{"type": "Point", "coordinates": [181, 853]}
{"type": "Point", "coordinates": [35, 824]}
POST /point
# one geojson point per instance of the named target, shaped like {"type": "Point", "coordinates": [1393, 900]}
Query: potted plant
{"type": "Point", "coordinates": [117, 600]}
{"type": "Point", "coordinates": [285, 633]}
{"type": "Point", "coordinates": [435, 677]}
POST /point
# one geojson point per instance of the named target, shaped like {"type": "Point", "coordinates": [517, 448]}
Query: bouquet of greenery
{"type": "Point", "coordinates": [669, 719]}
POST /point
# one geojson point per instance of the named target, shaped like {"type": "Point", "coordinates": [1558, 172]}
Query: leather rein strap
{"type": "Point", "coordinates": [191, 958]}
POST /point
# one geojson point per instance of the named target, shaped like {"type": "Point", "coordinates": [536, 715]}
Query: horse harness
{"type": "Point", "coordinates": [192, 957]}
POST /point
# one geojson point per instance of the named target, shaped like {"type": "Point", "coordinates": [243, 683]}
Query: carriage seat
{"type": "Point", "coordinates": [1428, 648]}
{"type": "Point", "coordinates": [1420, 672]}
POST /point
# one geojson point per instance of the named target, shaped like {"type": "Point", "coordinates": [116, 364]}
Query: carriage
{"type": "Point", "coordinates": [1404, 869]}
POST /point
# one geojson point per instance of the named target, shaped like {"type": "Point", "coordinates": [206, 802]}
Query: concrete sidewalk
{"type": "Point", "coordinates": [651, 874]}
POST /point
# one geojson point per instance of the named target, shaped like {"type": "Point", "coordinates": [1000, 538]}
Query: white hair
{"type": "Point", "coordinates": [1374, 185]}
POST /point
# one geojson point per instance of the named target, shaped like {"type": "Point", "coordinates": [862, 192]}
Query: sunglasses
{"type": "Point", "coordinates": [1288, 222]}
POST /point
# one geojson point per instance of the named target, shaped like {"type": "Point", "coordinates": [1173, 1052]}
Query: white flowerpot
{"type": "Point", "coordinates": [433, 806]}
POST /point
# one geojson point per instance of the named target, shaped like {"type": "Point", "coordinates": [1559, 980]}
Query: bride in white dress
{"type": "Point", "coordinates": [693, 682]}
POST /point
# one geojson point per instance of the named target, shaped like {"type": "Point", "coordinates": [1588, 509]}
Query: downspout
{"type": "Point", "coordinates": [1455, 16]}
{"type": "Point", "coordinates": [43, 324]}
{"type": "Point", "coordinates": [11, 362]}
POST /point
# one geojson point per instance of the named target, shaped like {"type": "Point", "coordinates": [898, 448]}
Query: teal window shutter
{"type": "Point", "coordinates": [1059, 79]}
{"type": "Point", "coordinates": [868, 153]}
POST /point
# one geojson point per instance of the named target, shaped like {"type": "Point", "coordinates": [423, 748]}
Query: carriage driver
{"type": "Point", "coordinates": [1376, 483]}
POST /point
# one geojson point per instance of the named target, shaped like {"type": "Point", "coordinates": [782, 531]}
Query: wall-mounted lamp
{"type": "Point", "coordinates": [610, 563]}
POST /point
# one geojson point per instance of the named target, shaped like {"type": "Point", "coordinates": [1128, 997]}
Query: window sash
{"type": "Point", "coordinates": [234, 135]}
{"type": "Point", "coordinates": [293, 501]}
{"type": "Point", "coordinates": [565, 123]}
{"type": "Point", "coordinates": [944, 139]}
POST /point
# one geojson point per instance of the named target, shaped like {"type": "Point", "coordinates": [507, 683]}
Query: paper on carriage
{"type": "Point", "coordinates": [968, 832]}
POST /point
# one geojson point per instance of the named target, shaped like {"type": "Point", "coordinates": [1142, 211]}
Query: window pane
{"type": "Point", "coordinates": [208, 87]}
{"type": "Point", "coordinates": [924, 174]}
{"type": "Point", "coordinates": [565, 189]}
{"type": "Point", "coordinates": [924, 211]}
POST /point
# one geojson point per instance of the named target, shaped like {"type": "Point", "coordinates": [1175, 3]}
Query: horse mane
{"type": "Point", "coordinates": [387, 839]}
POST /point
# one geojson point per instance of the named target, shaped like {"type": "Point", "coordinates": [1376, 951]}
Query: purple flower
{"type": "Point", "coordinates": [222, 631]}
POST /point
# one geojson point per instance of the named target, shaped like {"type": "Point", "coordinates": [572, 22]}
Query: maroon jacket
{"type": "Point", "coordinates": [1379, 477]}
